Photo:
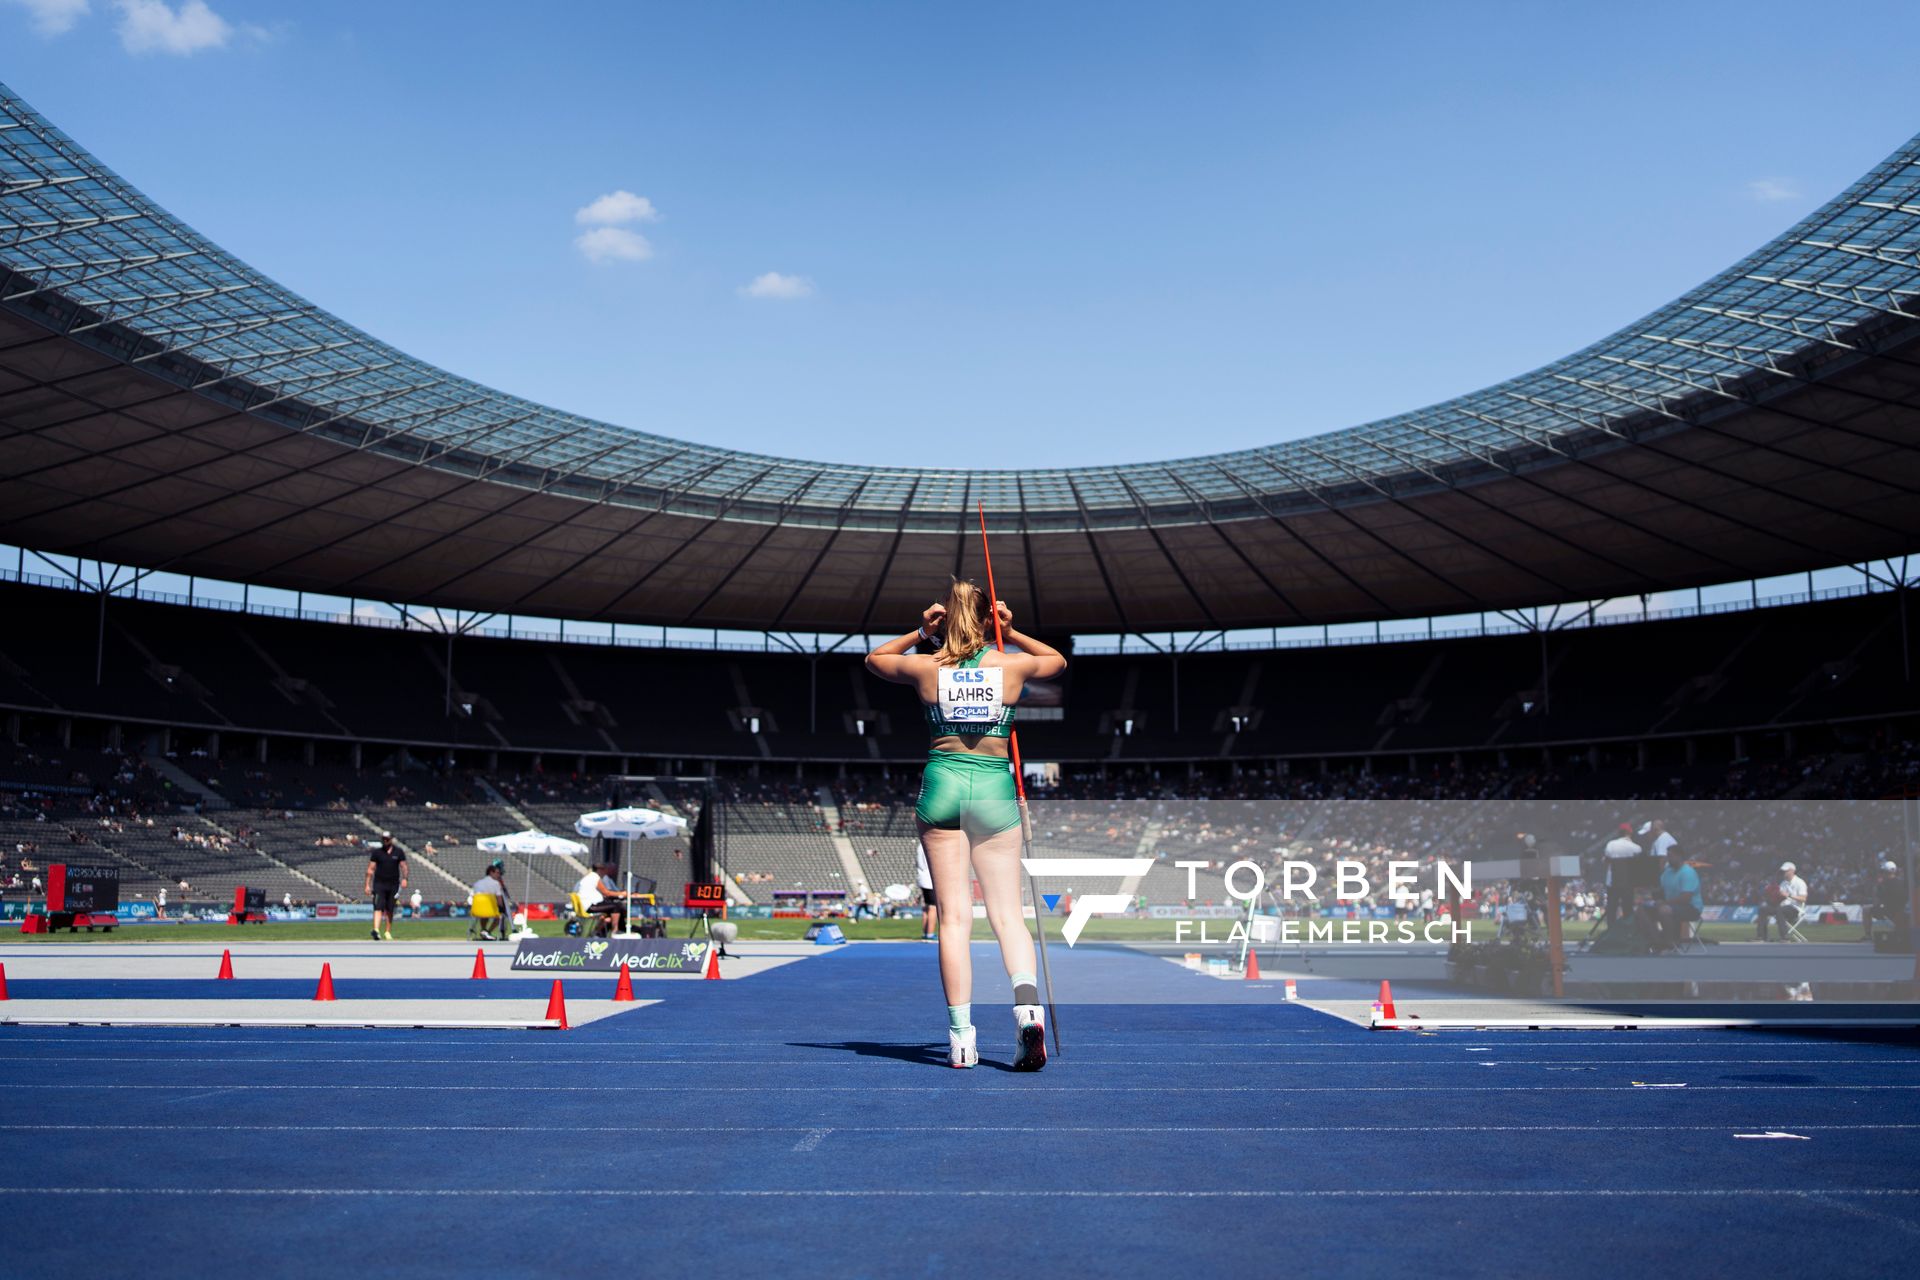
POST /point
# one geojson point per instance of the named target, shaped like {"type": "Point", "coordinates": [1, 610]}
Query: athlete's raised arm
{"type": "Point", "coordinates": [893, 661]}
{"type": "Point", "coordinates": [1047, 661]}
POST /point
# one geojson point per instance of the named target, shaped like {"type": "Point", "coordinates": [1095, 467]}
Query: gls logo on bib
{"type": "Point", "coordinates": [971, 695]}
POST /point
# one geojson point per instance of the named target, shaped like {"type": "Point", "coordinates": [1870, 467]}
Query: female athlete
{"type": "Point", "coordinates": [968, 812]}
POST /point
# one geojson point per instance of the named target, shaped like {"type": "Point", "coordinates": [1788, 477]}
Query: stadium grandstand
{"type": "Point", "coordinates": [167, 409]}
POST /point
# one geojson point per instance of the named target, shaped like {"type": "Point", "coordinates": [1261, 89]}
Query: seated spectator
{"type": "Point", "coordinates": [600, 897]}
{"type": "Point", "coordinates": [1786, 903]}
{"type": "Point", "coordinates": [1666, 919]}
{"type": "Point", "coordinates": [493, 883]}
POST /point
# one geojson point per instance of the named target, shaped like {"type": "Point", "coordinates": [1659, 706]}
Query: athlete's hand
{"type": "Point", "coordinates": [933, 618]}
{"type": "Point", "coordinates": [1002, 614]}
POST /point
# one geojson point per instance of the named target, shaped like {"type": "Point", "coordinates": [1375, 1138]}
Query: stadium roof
{"type": "Point", "coordinates": [164, 405]}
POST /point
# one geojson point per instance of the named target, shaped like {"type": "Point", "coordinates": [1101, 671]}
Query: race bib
{"type": "Point", "coordinates": [971, 695]}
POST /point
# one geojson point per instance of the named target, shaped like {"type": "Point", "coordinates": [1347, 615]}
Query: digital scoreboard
{"type": "Point", "coordinates": [78, 897]}
{"type": "Point", "coordinates": [711, 897]}
{"type": "Point", "coordinates": [82, 890]}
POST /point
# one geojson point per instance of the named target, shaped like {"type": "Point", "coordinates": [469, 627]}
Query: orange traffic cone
{"type": "Point", "coordinates": [326, 983]}
{"type": "Point", "coordinates": [713, 963]}
{"type": "Point", "coordinates": [1253, 965]}
{"type": "Point", "coordinates": [479, 963]}
{"type": "Point", "coordinates": [1386, 1000]}
{"type": "Point", "coordinates": [3, 983]}
{"type": "Point", "coordinates": [557, 1005]}
{"type": "Point", "coordinates": [623, 989]}
{"type": "Point", "coordinates": [226, 967]}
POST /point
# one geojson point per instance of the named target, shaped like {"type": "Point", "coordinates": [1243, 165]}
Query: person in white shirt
{"type": "Point", "coordinates": [1621, 852]}
{"type": "Point", "coordinates": [1786, 902]}
{"type": "Point", "coordinates": [601, 898]}
{"type": "Point", "coordinates": [1662, 841]}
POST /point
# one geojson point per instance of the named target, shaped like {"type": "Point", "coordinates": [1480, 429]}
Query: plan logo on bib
{"type": "Point", "coordinates": [1088, 905]}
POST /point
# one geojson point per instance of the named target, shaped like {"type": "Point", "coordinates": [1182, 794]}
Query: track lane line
{"type": "Point", "coordinates": [931, 1193]}
{"type": "Point", "coordinates": [1041, 1090]}
{"type": "Point", "coordinates": [1729, 1127]}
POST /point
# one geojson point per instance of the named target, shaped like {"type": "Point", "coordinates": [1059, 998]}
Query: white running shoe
{"type": "Point", "coordinates": [960, 1049]}
{"type": "Point", "coordinates": [1031, 1032]}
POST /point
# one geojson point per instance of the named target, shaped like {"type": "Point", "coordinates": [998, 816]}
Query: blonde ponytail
{"type": "Point", "coordinates": [969, 623]}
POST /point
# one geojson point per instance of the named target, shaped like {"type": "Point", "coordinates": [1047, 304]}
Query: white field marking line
{"type": "Point", "coordinates": [106, 1039]}
{"type": "Point", "coordinates": [240, 1020]}
{"type": "Point", "coordinates": [811, 1139]}
{"type": "Point", "coordinates": [1623, 1040]}
{"type": "Point", "coordinates": [226, 1127]}
{"type": "Point", "coordinates": [1098, 1062]}
{"type": "Point", "coordinates": [1061, 1091]}
{"type": "Point", "coordinates": [892, 1193]}
{"type": "Point", "coordinates": [106, 1036]}
{"type": "Point", "coordinates": [1601, 1022]}
{"type": "Point", "coordinates": [1899, 1224]}
{"type": "Point", "coordinates": [1333, 1023]}
{"type": "Point", "coordinates": [1775, 1133]}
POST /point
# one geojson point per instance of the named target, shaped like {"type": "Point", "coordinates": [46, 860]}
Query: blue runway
{"type": "Point", "coordinates": [804, 1120]}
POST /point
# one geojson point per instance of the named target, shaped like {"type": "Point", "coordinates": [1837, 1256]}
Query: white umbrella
{"type": "Point", "coordinates": [530, 844]}
{"type": "Point", "coordinates": [630, 824]}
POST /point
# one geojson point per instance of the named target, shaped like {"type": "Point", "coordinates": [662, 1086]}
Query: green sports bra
{"type": "Point", "coordinates": [939, 726]}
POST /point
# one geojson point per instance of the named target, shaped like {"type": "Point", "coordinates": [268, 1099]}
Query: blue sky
{"type": "Point", "coordinates": [1056, 234]}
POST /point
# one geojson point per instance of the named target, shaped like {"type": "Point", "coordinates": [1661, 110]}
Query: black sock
{"type": "Point", "coordinates": [1026, 993]}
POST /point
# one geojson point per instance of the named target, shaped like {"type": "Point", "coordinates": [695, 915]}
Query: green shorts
{"type": "Point", "coordinates": [970, 793]}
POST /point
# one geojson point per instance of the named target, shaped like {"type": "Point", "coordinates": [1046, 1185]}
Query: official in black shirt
{"type": "Point", "coordinates": [386, 880]}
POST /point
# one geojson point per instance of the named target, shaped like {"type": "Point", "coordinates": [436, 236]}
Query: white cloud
{"type": "Point", "coordinates": [776, 286]}
{"type": "Point", "coordinates": [609, 240]}
{"type": "Point", "coordinates": [615, 208]}
{"type": "Point", "coordinates": [1772, 190]}
{"type": "Point", "coordinates": [613, 244]}
{"type": "Point", "coordinates": [53, 17]}
{"type": "Point", "coordinates": [152, 26]}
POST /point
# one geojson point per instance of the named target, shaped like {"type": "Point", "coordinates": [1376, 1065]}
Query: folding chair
{"type": "Point", "coordinates": [482, 915]}
{"type": "Point", "coordinates": [1793, 925]}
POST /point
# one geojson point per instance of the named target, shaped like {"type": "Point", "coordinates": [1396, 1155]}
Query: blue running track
{"type": "Point", "coordinates": [803, 1121]}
